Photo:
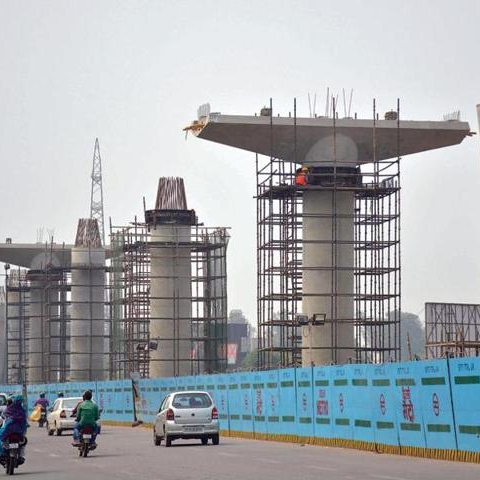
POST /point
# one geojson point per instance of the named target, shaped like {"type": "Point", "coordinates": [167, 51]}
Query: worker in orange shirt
{"type": "Point", "coordinates": [301, 177]}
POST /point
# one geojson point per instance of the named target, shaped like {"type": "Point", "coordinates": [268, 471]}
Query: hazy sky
{"type": "Point", "coordinates": [134, 72]}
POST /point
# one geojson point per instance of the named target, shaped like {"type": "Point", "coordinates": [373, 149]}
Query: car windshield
{"type": "Point", "coordinates": [191, 400]}
{"type": "Point", "coordinates": [71, 402]}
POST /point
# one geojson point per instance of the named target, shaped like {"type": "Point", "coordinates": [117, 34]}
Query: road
{"type": "Point", "coordinates": [129, 453]}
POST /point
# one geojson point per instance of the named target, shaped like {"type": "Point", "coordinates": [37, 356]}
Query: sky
{"type": "Point", "coordinates": [133, 73]}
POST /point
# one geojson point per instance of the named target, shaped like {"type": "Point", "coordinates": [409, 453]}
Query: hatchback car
{"type": "Point", "coordinates": [186, 415]}
{"type": "Point", "coordinates": [59, 417]}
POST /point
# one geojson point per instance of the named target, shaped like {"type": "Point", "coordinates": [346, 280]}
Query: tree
{"type": "Point", "coordinates": [412, 328]}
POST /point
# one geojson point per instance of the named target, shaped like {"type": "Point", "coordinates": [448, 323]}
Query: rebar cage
{"type": "Point", "coordinates": [377, 283]}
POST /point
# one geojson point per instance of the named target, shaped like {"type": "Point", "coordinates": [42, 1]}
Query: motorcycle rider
{"type": "Point", "coordinates": [87, 416]}
{"type": "Point", "coordinates": [42, 401]}
{"type": "Point", "coordinates": [15, 422]}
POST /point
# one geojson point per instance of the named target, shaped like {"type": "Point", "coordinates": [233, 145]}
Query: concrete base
{"type": "Point", "coordinates": [318, 282]}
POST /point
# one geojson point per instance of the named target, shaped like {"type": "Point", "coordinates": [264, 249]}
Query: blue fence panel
{"type": "Point", "coordinates": [288, 401]}
{"type": "Point", "coordinates": [465, 382]}
{"type": "Point", "coordinates": [342, 411]}
{"type": "Point", "coordinates": [151, 398]}
{"type": "Point", "coordinates": [106, 396]}
{"type": "Point", "coordinates": [272, 395]}
{"type": "Point", "coordinates": [305, 402]}
{"type": "Point", "coordinates": [436, 404]}
{"type": "Point", "coordinates": [201, 382]}
{"type": "Point", "coordinates": [406, 387]}
{"type": "Point", "coordinates": [382, 401]}
{"type": "Point", "coordinates": [234, 402]}
{"type": "Point", "coordinates": [220, 395]}
{"type": "Point", "coordinates": [360, 399]}
{"type": "Point", "coordinates": [181, 383]}
{"type": "Point", "coordinates": [259, 402]}
{"type": "Point", "coordinates": [245, 398]}
{"type": "Point", "coordinates": [322, 399]}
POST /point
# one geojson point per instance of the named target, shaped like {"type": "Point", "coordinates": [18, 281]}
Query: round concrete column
{"type": "Point", "coordinates": [87, 314]}
{"type": "Point", "coordinates": [171, 300]}
{"type": "Point", "coordinates": [35, 358]}
{"type": "Point", "coordinates": [319, 260]}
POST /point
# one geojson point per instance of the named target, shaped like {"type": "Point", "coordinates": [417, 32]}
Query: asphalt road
{"type": "Point", "coordinates": [129, 453]}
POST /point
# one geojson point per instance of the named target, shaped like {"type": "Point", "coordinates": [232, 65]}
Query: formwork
{"type": "Point", "coordinates": [131, 316]}
{"type": "Point", "coordinates": [376, 269]}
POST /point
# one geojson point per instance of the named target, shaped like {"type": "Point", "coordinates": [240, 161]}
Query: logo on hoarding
{"type": "Point", "coordinates": [259, 402]}
{"type": "Point", "coordinates": [272, 403]}
{"type": "Point", "coordinates": [340, 402]}
{"type": "Point", "coordinates": [383, 405]}
{"type": "Point", "coordinates": [436, 405]}
{"type": "Point", "coordinates": [245, 401]}
{"type": "Point", "coordinates": [304, 402]}
{"type": "Point", "coordinates": [407, 404]}
{"type": "Point", "coordinates": [322, 405]}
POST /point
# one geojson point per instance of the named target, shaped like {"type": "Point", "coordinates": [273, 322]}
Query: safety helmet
{"type": "Point", "coordinates": [42, 394]}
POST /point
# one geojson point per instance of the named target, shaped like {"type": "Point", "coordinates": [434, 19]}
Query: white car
{"type": "Point", "coordinates": [186, 415]}
{"type": "Point", "coordinates": [3, 406]}
{"type": "Point", "coordinates": [59, 416]}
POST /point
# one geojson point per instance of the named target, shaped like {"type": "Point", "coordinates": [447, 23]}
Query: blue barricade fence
{"type": "Point", "coordinates": [427, 404]}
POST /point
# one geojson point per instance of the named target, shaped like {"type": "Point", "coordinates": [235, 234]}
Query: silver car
{"type": "Point", "coordinates": [186, 415]}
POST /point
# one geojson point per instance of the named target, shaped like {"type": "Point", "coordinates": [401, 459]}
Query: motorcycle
{"type": "Point", "coordinates": [13, 452]}
{"type": "Point", "coordinates": [43, 418]}
{"type": "Point", "coordinates": [86, 441]}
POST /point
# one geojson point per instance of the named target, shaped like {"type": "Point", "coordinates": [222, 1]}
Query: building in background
{"type": "Point", "coordinates": [239, 338]}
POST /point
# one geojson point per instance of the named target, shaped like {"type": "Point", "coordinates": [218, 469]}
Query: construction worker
{"type": "Point", "coordinates": [301, 179]}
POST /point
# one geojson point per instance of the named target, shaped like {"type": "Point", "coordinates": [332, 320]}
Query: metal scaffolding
{"type": "Point", "coordinates": [131, 316]}
{"type": "Point", "coordinates": [280, 222]}
{"type": "Point", "coordinates": [452, 330]}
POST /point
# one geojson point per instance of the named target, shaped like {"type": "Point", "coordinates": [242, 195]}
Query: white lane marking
{"type": "Point", "coordinates": [318, 467]}
{"type": "Point", "coordinates": [268, 460]}
{"type": "Point", "coordinates": [54, 455]}
{"type": "Point", "coordinates": [387, 477]}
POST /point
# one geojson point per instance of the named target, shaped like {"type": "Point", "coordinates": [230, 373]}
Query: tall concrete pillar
{"type": "Point", "coordinates": [323, 261]}
{"type": "Point", "coordinates": [36, 369]}
{"type": "Point", "coordinates": [170, 280]}
{"type": "Point", "coordinates": [15, 320]}
{"type": "Point", "coordinates": [3, 338]}
{"type": "Point", "coordinates": [87, 321]}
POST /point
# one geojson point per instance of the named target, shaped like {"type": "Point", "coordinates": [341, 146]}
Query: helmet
{"type": "Point", "coordinates": [60, 395]}
{"type": "Point", "coordinates": [304, 169]}
{"type": "Point", "coordinates": [42, 394]}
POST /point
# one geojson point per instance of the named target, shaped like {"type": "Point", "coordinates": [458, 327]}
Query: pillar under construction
{"type": "Point", "coordinates": [334, 151]}
{"type": "Point", "coordinates": [169, 226]}
{"type": "Point", "coordinates": [87, 323]}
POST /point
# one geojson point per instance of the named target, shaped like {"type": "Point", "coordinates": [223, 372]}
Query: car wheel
{"type": "Point", "coordinates": [216, 439]}
{"type": "Point", "coordinates": [168, 440]}
{"type": "Point", "coordinates": [49, 430]}
{"type": "Point", "coordinates": [58, 430]}
{"type": "Point", "coordinates": [156, 439]}
{"type": "Point", "coordinates": [204, 440]}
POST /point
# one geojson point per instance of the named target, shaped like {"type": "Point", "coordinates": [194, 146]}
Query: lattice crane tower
{"type": "Point", "coordinates": [96, 199]}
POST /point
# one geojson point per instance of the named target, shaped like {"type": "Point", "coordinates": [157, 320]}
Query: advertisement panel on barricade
{"type": "Point", "coordinates": [322, 402]}
{"type": "Point", "coordinates": [304, 402]}
{"type": "Point", "coordinates": [150, 398]}
{"type": "Point", "coordinates": [181, 383]}
{"type": "Point", "coordinates": [272, 395]}
{"type": "Point", "coordinates": [382, 404]}
{"type": "Point", "coordinates": [436, 404]}
{"type": "Point", "coordinates": [234, 402]}
{"type": "Point", "coordinates": [360, 400]}
{"type": "Point", "coordinates": [259, 402]}
{"type": "Point", "coordinates": [201, 382]}
{"type": "Point", "coordinates": [245, 399]}
{"type": "Point", "coordinates": [342, 419]}
{"type": "Point", "coordinates": [406, 387]}
{"type": "Point", "coordinates": [288, 401]}
{"type": "Point", "coordinates": [465, 382]}
{"type": "Point", "coordinates": [123, 400]}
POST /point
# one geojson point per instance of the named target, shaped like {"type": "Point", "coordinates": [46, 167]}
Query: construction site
{"type": "Point", "coordinates": [152, 300]}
